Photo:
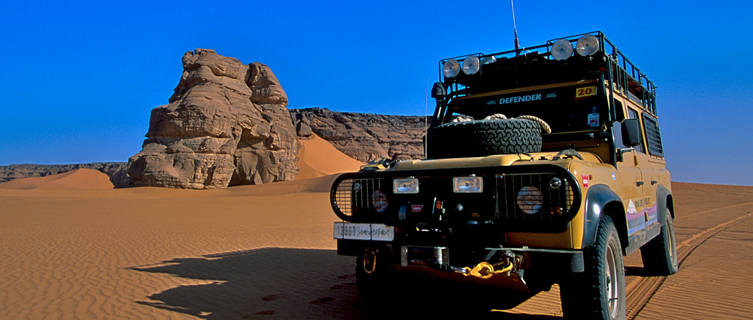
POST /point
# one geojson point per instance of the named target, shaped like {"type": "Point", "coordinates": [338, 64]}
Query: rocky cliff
{"type": "Point", "coordinates": [364, 136]}
{"type": "Point", "coordinates": [226, 124]}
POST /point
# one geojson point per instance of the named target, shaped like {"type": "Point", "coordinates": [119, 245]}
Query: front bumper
{"type": "Point", "coordinates": [521, 269]}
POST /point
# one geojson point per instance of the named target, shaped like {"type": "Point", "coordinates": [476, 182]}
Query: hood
{"type": "Point", "coordinates": [494, 161]}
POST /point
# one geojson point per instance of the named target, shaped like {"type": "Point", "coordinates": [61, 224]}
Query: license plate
{"type": "Point", "coordinates": [363, 231]}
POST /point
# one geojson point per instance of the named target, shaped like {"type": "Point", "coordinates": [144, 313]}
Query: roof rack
{"type": "Point", "coordinates": [622, 74]}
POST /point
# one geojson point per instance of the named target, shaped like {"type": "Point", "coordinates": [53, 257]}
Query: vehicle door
{"type": "Point", "coordinates": [641, 208]}
{"type": "Point", "coordinates": [630, 178]}
{"type": "Point", "coordinates": [654, 167]}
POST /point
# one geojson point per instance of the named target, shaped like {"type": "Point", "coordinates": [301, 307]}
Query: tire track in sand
{"type": "Point", "coordinates": [737, 205]}
{"type": "Point", "coordinates": [640, 292]}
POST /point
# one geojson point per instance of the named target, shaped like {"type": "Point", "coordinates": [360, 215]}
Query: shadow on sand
{"type": "Point", "coordinates": [278, 283]}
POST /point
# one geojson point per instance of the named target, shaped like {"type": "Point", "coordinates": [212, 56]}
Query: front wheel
{"type": "Point", "coordinates": [660, 254]}
{"type": "Point", "coordinates": [599, 292]}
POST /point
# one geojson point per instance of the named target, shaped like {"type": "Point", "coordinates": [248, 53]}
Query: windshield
{"type": "Point", "coordinates": [569, 109]}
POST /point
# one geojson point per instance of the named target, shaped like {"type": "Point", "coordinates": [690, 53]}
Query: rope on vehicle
{"type": "Point", "coordinates": [485, 270]}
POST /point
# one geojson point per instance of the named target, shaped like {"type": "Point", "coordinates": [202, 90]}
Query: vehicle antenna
{"type": "Point", "coordinates": [515, 28]}
{"type": "Point", "coordinates": [426, 106]}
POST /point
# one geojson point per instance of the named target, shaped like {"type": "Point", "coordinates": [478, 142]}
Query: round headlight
{"type": "Point", "coordinates": [562, 49]}
{"type": "Point", "coordinates": [587, 45]}
{"type": "Point", "coordinates": [471, 65]}
{"type": "Point", "coordinates": [379, 201]}
{"type": "Point", "coordinates": [530, 199]}
{"type": "Point", "coordinates": [451, 68]}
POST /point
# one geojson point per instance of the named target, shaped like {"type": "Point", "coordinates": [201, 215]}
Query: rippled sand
{"type": "Point", "coordinates": [72, 247]}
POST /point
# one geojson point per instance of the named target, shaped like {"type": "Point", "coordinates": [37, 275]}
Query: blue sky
{"type": "Point", "coordinates": [79, 78]}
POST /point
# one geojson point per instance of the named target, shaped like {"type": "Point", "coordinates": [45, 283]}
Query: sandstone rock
{"type": "Point", "coordinates": [304, 130]}
{"type": "Point", "coordinates": [226, 124]}
{"type": "Point", "coordinates": [364, 136]}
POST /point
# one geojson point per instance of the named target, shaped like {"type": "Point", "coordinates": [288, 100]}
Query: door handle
{"type": "Point", "coordinates": [653, 182]}
{"type": "Point", "coordinates": [639, 183]}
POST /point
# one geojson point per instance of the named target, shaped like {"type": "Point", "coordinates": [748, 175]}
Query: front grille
{"type": "Point", "coordinates": [527, 201]}
{"type": "Point", "coordinates": [352, 198]}
{"type": "Point", "coordinates": [541, 209]}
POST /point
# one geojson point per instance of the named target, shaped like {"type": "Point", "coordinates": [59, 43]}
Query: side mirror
{"type": "Point", "coordinates": [631, 132]}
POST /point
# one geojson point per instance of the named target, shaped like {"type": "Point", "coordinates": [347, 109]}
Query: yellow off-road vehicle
{"type": "Point", "coordinates": [543, 165]}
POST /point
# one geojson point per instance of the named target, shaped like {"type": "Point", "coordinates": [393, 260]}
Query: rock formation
{"type": "Point", "coordinates": [364, 136]}
{"type": "Point", "coordinates": [226, 124]}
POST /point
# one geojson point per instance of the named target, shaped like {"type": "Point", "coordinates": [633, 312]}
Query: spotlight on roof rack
{"type": "Point", "coordinates": [488, 60]}
{"type": "Point", "coordinates": [451, 68]}
{"type": "Point", "coordinates": [471, 65]}
{"type": "Point", "coordinates": [562, 49]}
{"type": "Point", "coordinates": [587, 45]}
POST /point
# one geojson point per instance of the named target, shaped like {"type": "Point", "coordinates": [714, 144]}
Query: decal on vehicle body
{"type": "Point", "coordinates": [586, 178]}
{"type": "Point", "coordinates": [518, 99]}
{"type": "Point", "coordinates": [585, 92]}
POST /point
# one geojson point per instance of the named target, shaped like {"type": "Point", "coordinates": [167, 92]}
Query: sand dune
{"type": "Point", "coordinates": [317, 157]}
{"type": "Point", "coordinates": [76, 179]}
{"type": "Point", "coordinates": [266, 251]}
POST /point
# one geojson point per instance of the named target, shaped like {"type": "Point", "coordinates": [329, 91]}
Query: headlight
{"type": "Point", "coordinates": [405, 185]}
{"type": "Point", "coordinates": [468, 184]}
{"type": "Point", "coordinates": [562, 49]}
{"type": "Point", "coordinates": [451, 68]}
{"type": "Point", "coordinates": [471, 65]}
{"type": "Point", "coordinates": [379, 201]}
{"type": "Point", "coordinates": [587, 45]}
{"type": "Point", "coordinates": [530, 199]}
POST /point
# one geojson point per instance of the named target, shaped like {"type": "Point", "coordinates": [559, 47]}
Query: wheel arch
{"type": "Point", "coordinates": [601, 200]}
{"type": "Point", "coordinates": [664, 201]}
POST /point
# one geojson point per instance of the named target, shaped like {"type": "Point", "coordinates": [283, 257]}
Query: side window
{"type": "Point", "coordinates": [617, 132]}
{"type": "Point", "coordinates": [617, 126]}
{"type": "Point", "coordinates": [632, 114]}
{"type": "Point", "coordinates": [653, 138]}
{"type": "Point", "coordinates": [618, 110]}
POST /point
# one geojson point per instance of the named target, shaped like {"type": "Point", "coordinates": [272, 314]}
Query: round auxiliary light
{"type": "Point", "coordinates": [587, 45]}
{"type": "Point", "coordinates": [451, 68]}
{"type": "Point", "coordinates": [562, 49]}
{"type": "Point", "coordinates": [379, 201]}
{"type": "Point", "coordinates": [555, 183]}
{"type": "Point", "coordinates": [471, 65]}
{"type": "Point", "coordinates": [530, 199]}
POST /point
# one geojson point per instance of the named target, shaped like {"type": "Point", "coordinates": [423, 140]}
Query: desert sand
{"type": "Point", "coordinates": [71, 247]}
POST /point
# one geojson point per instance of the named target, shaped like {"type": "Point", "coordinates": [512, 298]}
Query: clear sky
{"type": "Point", "coordinates": [79, 79]}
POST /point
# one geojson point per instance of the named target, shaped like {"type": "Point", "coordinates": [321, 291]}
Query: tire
{"type": "Point", "coordinates": [483, 137]}
{"type": "Point", "coordinates": [599, 292]}
{"type": "Point", "coordinates": [660, 254]}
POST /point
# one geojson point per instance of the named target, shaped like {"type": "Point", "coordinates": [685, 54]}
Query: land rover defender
{"type": "Point", "coordinates": [544, 165]}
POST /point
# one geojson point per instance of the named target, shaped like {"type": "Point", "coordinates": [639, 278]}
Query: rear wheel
{"type": "Point", "coordinates": [660, 254]}
{"type": "Point", "coordinates": [599, 292]}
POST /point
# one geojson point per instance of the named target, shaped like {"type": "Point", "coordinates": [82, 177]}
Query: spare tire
{"type": "Point", "coordinates": [482, 138]}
